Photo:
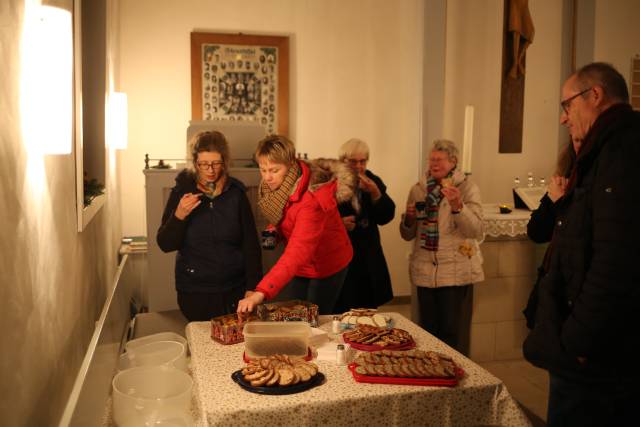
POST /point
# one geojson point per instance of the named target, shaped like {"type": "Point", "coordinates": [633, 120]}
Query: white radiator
{"type": "Point", "coordinates": [88, 399]}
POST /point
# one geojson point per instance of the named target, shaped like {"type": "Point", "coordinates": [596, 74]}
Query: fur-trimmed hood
{"type": "Point", "coordinates": [327, 170]}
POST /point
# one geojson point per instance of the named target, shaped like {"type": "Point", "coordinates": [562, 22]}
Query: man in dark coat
{"type": "Point", "coordinates": [368, 283]}
{"type": "Point", "coordinates": [587, 325]}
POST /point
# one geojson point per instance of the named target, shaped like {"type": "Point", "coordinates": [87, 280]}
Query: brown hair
{"type": "Point", "coordinates": [566, 160]}
{"type": "Point", "coordinates": [277, 149]}
{"type": "Point", "coordinates": [210, 141]}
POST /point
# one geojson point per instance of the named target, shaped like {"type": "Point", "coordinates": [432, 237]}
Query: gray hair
{"type": "Point", "coordinates": [448, 147]}
{"type": "Point", "coordinates": [353, 146]}
{"type": "Point", "coordinates": [606, 76]}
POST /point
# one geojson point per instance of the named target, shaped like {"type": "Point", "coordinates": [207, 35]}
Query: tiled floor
{"type": "Point", "coordinates": [526, 383]}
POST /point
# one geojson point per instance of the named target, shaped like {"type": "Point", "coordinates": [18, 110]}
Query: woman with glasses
{"type": "Point", "coordinates": [300, 200]}
{"type": "Point", "coordinates": [444, 218]}
{"type": "Point", "coordinates": [368, 283]}
{"type": "Point", "coordinates": [208, 220]}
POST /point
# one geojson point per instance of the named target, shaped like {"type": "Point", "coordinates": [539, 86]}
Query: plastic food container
{"type": "Point", "coordinates": [156, 353]}
{"type": "Point", "coordinates": [152, 395]}
{"type": "Point", "coordinates": [268, 338]}
{"type": "Point", "coordinates": [162, 336]}
{"type": "Point", "coordinates": [227, 330]}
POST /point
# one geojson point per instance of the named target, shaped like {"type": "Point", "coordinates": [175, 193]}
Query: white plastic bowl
{"type": "Point", "coordinates": [155, 353]}
{"type": "Point", "coordinates": [162, 336]}
{"type": "Point", "coordinates": [152, 396]}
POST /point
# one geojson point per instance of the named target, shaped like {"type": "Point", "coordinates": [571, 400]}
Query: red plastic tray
{"type": "Point", "coordinates": [370, 347]}
{"type": "Point", "coordinates": [308, 357]}
{"type": "Point", "coordinates": [434, 382]}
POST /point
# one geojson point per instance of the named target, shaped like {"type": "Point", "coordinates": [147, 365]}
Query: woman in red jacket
{"type": "Point", "coordinates": [301, 200]}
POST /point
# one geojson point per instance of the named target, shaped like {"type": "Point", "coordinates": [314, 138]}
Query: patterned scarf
{"type": "Point", "coordinates": [272, 203]}
{"type": "Point", "coordinates": [429, 235]}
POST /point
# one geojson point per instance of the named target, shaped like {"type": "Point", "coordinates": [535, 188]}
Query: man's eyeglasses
{"type": "Point", "coordinates": [355, 162]}
{"type": "Point", "coordinates": [567, 102]}
{"type": "Point", "coordinates": [209, 165]}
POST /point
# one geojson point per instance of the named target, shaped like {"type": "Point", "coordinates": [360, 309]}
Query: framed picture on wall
{"type": "Point", "coordinates": [237, 77]}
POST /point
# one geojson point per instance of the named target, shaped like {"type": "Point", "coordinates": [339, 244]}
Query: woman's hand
{"type": "Point", "coordinates": [247, 304]}
{"type": "Point", "coordinates": [557, 187]}
{"type": "Point", "coordinates": [453, 196]}
{"type": "Point", "coordinates": [410, 215]}
{"type": "Point", "coordinates": [368, 186]}
{"type": "Point", "coordinates": [187, 204]}
{"type": "Point", "coordinates": [349, 222]}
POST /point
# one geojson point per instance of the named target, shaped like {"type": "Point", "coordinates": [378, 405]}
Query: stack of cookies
{"type": "Point", "coordinates": [412, 364]}
{"type": "Point", "coordinates": [278, 371]}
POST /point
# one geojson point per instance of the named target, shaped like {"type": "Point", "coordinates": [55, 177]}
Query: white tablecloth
{"type": "Point", "coordinates": [512, 224]}
{"type": "Point", "coordinates": [479, 399]}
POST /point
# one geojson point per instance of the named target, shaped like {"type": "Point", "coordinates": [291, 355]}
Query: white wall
{"type": "Point", "coordinates": [473, 64]}
{"type": "Point", "coordinates": [53, 279]}
{"type": "Point", "coordinates": [355, 72]}
{"type": "Point", "coordinates": [617, 33]}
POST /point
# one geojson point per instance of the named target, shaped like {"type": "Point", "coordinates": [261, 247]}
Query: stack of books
{"type": "Point", "coordinates": [133, 244]}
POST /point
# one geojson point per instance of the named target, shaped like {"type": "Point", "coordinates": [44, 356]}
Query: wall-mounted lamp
{"type": "Point", "coordinates": [118, 121]}
{"type": "Point", "coordinates": [46, 93]}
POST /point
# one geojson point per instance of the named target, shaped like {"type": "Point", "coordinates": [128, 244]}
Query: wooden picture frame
{"type": "Point", "coordinates": [238, 77]}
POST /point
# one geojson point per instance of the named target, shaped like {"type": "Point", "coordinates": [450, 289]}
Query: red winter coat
{"type": "Point", "coordinates": [317, 244]}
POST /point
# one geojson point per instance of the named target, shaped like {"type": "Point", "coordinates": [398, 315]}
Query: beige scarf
{"type": "Point", "coordinates": [272, 203]}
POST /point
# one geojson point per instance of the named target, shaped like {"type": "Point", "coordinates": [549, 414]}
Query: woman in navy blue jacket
{"type": "Point", "coordinates": [208, 220]}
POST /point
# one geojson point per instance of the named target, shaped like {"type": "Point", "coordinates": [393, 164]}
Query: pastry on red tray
{"type": "Point", "coordinates": [406, 364]}
{"type": "Point", "coordinates": [377, 336]}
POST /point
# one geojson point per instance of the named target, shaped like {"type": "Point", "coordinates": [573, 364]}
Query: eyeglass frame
{"type": "Point", "coordinates": [210, 165]}
{"type": "Point", "coordinates": [566, 104]}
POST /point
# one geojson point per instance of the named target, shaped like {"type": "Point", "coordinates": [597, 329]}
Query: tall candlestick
{"type": "Point", "coordinates": [468, 139]}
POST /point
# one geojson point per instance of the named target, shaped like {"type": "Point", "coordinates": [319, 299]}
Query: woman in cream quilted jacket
{"type": "Point", "coordinates": [444, 218]}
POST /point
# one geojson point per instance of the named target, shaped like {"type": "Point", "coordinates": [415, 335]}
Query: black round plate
{"type": "Point", "coordinates": [297, 388]}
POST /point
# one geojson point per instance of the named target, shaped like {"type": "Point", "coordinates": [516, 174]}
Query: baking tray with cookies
{"type": "Point", "coordinates": [412, 367]}
{"type": "Point", "coordinates": [278, 375]}
{"type": "Point", "coordinates": [373, 338]}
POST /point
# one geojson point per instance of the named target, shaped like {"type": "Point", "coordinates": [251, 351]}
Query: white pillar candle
{"type": "Point", "coordinates": [468, 139]}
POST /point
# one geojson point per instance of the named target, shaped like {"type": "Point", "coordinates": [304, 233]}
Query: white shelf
{"type": "Point", "coordinates": [90, 211]}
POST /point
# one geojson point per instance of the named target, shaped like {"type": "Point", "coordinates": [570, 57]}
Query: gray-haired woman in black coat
{"type": "Point", "coordinates": [368, 283]}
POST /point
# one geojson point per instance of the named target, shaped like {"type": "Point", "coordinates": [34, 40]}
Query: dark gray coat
{"type": "Point", "coordinates": [368, 283]}
{"type": "Point", "coordinates": [589, 300]}
{"type": "Point", "coordinates": [217, 243]}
